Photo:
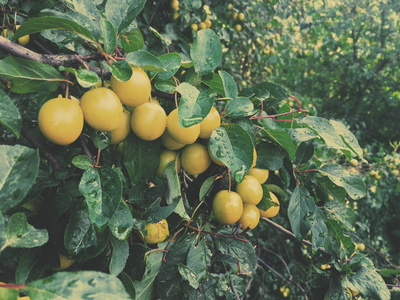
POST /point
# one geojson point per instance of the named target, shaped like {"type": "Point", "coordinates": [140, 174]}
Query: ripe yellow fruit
{"type": "Point", "coordinates": [175, 16]}
{"type": "Point", "coordinates": [23, 40]}
{"type": "Point", "coordinates": [238, 27]}
{"type": "Point", "coordinates": [227, 207]}
{"type": "Point", "coordinates": [195, 27]}
{"type": "Point", "coordinates": [134, 92]}
{"type": "Point", "coordinates": [360, 247]}
{"type": "Point", "coordinates": [156, 232]}
{"type": "Point", "coordinates": [61, 120]}
{"type": "Point", "coordinates": [169, 143]}
{"type": "Point", "coordinates": [209, 123]}
{"type": "Point", "coordinates": [65, 263]}
{"type": "Point", "coordinates": [148, 121]}
{"type": "Point", "coordinates": [187, 135]}
{"type": "Point", "coordinates": [260, 174]}
{"type": "Point", "coordinates": [195, 159]}
{"type": "Point", "coordinates": [102, 109]}
{"type": "Point", "coordinates": [354, 162]}
{"type": "Point", "coordinates": [250, 190]}
{"type": "Point", "coordinates": [208, 23]}
{"type": "Point", "coordinates": [250, 216]}
{"type": "Point", "coordinates": [202, 25]}
{"type": "Point", "coordinates": [230, 6]}
{"type": "Point", "coordinates": [241, 16]}
{"type": "Point", "coordinates": [120, 133]}
{"type": "Point", "coordinates": [166, 157]}
{"type": "Point", "coordinates": [235, 15]}
{"type": "Point", "coordinates": [175, 4]}
{"type": "Point", "coordinates": [273, 210]}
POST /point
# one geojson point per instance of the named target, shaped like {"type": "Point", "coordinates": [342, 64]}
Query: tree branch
{"type": "Point", "coordinates": [54, 60]}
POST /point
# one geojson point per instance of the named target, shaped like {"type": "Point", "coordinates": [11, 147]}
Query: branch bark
{"type": "Point", "coordinates": [54, 60]}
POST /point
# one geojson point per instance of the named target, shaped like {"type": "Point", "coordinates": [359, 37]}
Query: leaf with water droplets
{"type": "Point", "coordinates": [206, 52]}
{"type": "Point", "coordinates": [348, 137]}
{"type": "Point", "coordinates": [352, 183]}
{"type": "Point", "coordinates": [77, 285]}
{"type": "Point", "coordinates": [194, 105]}
{"type": "Point", "coordinates": [301, 212]}
{"type": "Point", "coordinates": [102, 189]}
{"type": "Point", "coordinates": [233, 146]}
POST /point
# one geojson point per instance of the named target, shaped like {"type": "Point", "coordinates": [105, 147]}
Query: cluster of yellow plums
{"type": "Point", "coordinates": [61, 120]}
{"type": "Point", "coordinates": [230, 207]}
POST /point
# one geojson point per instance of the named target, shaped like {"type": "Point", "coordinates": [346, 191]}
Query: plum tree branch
{"type": "Point", "coordinates": [54, 60]}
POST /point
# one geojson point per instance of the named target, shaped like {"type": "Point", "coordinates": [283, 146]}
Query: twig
{"type": "Point", "coordinates": [46, 154]}
{"type": "Point", "coordinates": [282, 260]}
{"type": "Point", "coordinates": [85, 148]}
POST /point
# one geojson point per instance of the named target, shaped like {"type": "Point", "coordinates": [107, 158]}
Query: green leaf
{"type": "Point", "coordinates": [239, 108]}
{"type": "Point", "coordinates": [145, 60]}
{"type": "Point", "coordinates": [214, 81]}
{"type": "Point", "coordinates": [348, 137]}
{"type": "Point", "coordinates": [141, 158]}
{"type": "Point", "coordinates": [145, 287]}
{"type": "Point", "coordinates": [199, 257]}
{"type": "Point", "coordinates": [77, 285]}
{"type": "Point", "coordinates": [39, 24]}
{"type": "Point", "coordinates": [194, 105]}
{"type": "Point", "coordinates": [318, 229]}
{"type": "Point", "coordinates": [304, 152]}
{"type": "Point", "coordinates": [229, 84]}
{"type": "Point", "coordinates": [352, 183]}
{"type": "Point", "coordinates": [162, 37]}
{"type": "Point", "coordinates": [29, 76]}
{"type": "Point", "coordinates": [121, 223]}
{"type": "Point", "coordinates": [240, 250]}
{"type": "Point", "coordinates": [269, 156]}
{"type": "Point", "coordinates": [206, 52]}
{"type": "Point", "coordinates": [325, 130]}
{"type": "Point", "coordinates": [81, 239]}
{"type": "Point", "coordinates": [341, 213]}
{"type": "Point", "coordinates": [279, 135]}
{"type": "Point", "coordinates": [120, 253]}
{"type": "Point", "coordinates": [121, 70]}
{"type": "Point", "coordinates": [82, 162]}
{"type": "Point", "coordinates": [301, 212]}
{"type": "Point", "coordinates": [233, 146]}
{"type": "Point", "coordinates": [85, 78]}
{"type": "Point", "coordinates": [266, 201]}
{"type": "Point", "coordinates": [302, 135]}
{"type": "Point", "coordinates": [270, 93]}
{"type": "Point", "coordinates": [122, 13]}
{"type": "Point", "coordinates": [128, 284]}
{"type": "Point", "coordinates": [370, 284]}
{"type": "Point", "coordinates": [172, 63]}
{"type": "Point", "coordinates": [19, 234]}
{"type": "Point", "coordinates": [10, 117]}
{"type": "Point", "coordinates": [206, 187]}
{"type": "Point", "coordinates": [188, 275]}
{"type": "Point", "coordinates": [165, 86]}
{"type": "Point", "coordinates": [102, 189]}
{"type": "Point", "coordinates": [109, 36]}
{"type": "Point", "coordinates": [15, 183]}
{"type": "Point", "coordinates": [345, 242]}
{"type": "Point", "coordinates": [174, 190]}
{"type": "Point", "coordinates": [338, 193]}
{"type": "Point", "coordinates": [156, 213]}
{"type": "Point", "coordinates": [132, 41]}
{"type": "Point", "coordinates": [100, 139]}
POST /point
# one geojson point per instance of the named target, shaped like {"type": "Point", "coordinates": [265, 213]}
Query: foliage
{"type": "Point", "coordinates": [92, 201]}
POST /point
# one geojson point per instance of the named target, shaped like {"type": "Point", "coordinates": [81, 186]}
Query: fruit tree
{"type": "Point", "coordinates": [136, 166]}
